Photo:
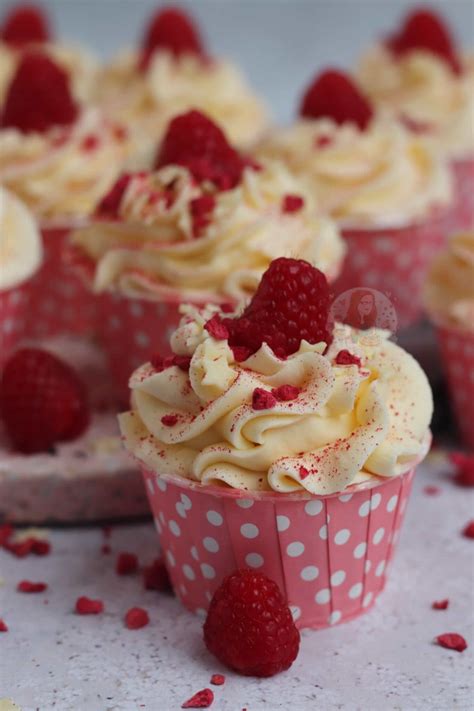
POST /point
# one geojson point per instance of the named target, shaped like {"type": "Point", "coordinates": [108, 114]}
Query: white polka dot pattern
{"type": "Point", "coordinates": [457, 355]}
{"type": "Point", "coordinates": [328, 559]}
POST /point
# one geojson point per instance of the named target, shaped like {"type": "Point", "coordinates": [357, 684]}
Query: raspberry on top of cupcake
{"type": "Point", "coordinates": [204, 224]}
{"type": "Point", "coordinates": [419, 75]}
{"type": "Point", "coordinates": [26, 26]}
{"type": "Point", "coordinates": [170, 72]}
{"type": "Point", "coordinates": [449, 289]}
{"type": "Point", "coordinates": [274, 396]}
{"type": "Point", "coordinates": [58, 157]}
{"type": "Point", "coordinates": [364, 169]}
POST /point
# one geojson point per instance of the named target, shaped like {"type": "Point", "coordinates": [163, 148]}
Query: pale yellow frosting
{"type": "Point", "coordinates": [20, 241]}
{"type": "Point", "coordinates": [55, 173]}
{"type": "Point", "coordinates": [347, 424]}
{"type": "Point", "coordinates": [151, 250]}
{"type": "Point", "coordinates": [449, 290]}
{"type": "Point", "coordinates": [171, 86]}
{"type": "Point", "coordinates": [383, 176]}
{"type": "Point", "coordinates": [81, 66]}
{"type": "Point", "coordinates": [421, 86]}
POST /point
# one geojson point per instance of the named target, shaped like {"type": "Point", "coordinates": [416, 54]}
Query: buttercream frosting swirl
{"type": "Point", "coordinates": [153, 248]}
{"type": "Point", "coordinates": [64, 172]}
{"type": "Point", "coordinates": [449, 290]}
{"type": "Point", "coordinates": [347, 424]}
{"type": "Point", "coordinates": [383, 176]}
{"type": "Point", "coordinates": [421, 87]}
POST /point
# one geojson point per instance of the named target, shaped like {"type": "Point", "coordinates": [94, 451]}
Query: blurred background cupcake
{"type": "Point", "coordinates": [201, 227]}
{"type": "Point", "coordinates": [449, 299]}
{"type": "Point", "coordinates": [386, 187]}
{"type": "Point", "coordinates": [169, 72]}
{"type": "Point", "coordinates": [419, 75]}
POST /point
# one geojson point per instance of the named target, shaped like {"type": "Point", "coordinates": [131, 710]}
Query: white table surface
{"type": "Point", "coordinates": [52, 658]}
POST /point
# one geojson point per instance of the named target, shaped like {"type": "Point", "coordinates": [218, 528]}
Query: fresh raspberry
{"type": "Point", "coordinates": [216, 328]}
{"type": "Point", "coordinates": [197, 143]}
{"type": "Point", "coordinates": [25, 24]}
{"type": "Point", "coordinates": [201, 700]}
{"type": "Point", "coordinates": [38, 97]}
{"type": "Point", "coordinates": [109, 206]}
{"type": "Point", "coordinates": [249, 626]}
{"type": "Point", "coordinates": [127, 564]}
{"type": "Point", "coordinates": [136, 618]}
{"type": "Point", "coordinates": [26, 586]}
{"type": "Point", "coordinates": [345, 357]}
{"type": "Point", "coordinates": [285, 393]}
{"type": "Point", "coordinates": [201, 209]}
{"type": "Point", "coordinates": [468, 530]}
{"type": "Point", "coordinates": [262, 399]}
{"type": "Point", "coordinates": [3, 626]}
{"type": "Point", "coordinates": [440, 604]}
{"type": "Point", "coordinates": [425, 30]}
{"type": "Point", "coordinates": [334, 95]}
{"type": "Point", "coordinates": [155, 576]}
{"type": "Point", "coordinates": [292, 203]}
{"type": "Point", "coordinates": [86, 606]}
{"type": "Point", "coordinates": [452, 640]}
{"type": "Point", "coordinates": [464, 464]}
{"type": "Point", "coordinates": [42, 401]}
{"type": "Point", "coordinates": [291, 304]}
{"type": "Point", "coordinates": [171, 30]}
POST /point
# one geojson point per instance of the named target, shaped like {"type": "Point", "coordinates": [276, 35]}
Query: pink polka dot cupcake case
{"type": "Point", "coordinates": [329, 555]}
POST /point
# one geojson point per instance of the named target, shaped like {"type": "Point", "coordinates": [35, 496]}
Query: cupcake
{"type": "Point", "coordinates": [449, 299]}
{"type": "Point", "coordinates": [419, 75]}
{"type": "Point", "coordinates": [286, 451]}
{"type": "Point", "coordinates": [386, 187]}
{"type": "Point", "coordinates": [201, 227]}
{"type": "Point", "coordinates": [26, 27]}
{"type": "Point", "coordinates": [59, 159]}
{"type": "Point", "coordinates": [171, 72]}
{"type": "Point", "coordinates": [20, 258]}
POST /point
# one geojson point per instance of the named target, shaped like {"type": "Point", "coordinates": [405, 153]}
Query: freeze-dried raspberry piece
{"type": "Point", "coordinates": [26, 586]}
{"type": "Point", "coordinates": [201, 700]}
{"type": "Point", "coordinates": [345, 357]}
{"type": "Point", "coordinates": [216, 328]}
{"type": "Point", "coordinates": [169, 420]}
{"type": "Point", "coordinates": [263, 399]}
{"type": "Point", "coordinates": [86, 606]}
{"type": "Point", "coordinates": [218, 679]}
{"type": "Point", "coordinates": [292, 203]}
{"type": "Point", "coordinates": [440, 604]}
{"type": "Point", "coordinates": [303, 472]}
{"type": "Point", "coordinates": [285, 393]}
{"type": "Point", "coordinates": [127, 564]}
{"type": "Point", "coordinates": [136, 618]}
{"type": "Point", "coordinates": [452, 640]}
{"type": "Point", "coordinates": [3, 625]}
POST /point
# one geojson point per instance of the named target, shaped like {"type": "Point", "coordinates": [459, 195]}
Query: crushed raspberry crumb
{"type": "Point", "coordinates": [21, 549]}
{"type": "Point", "coordinates": [136, 618]}
{"type": "Point", "coordinates": [333, 94]}
{"type": "Point", "coordinates": [263, 399]}
{"type": "Point", "coordinates": [431, 490]}
{"type": "Point", "coordinates": [452, 640]}
{"type": "Point", "coordinates": [468, 531]}
{"type": "Point", "coordinates": [169, 420]}
{"type": "Point", "coordinates": [38, 82]}
{"type": "Point", "coordinates": [90, 143]}
{"type": "Point", "coordinates": [323, 141]}
{"type": "Point", "coordinates": [26, 586]}
{"type": "Point", "coordinates": [171, 30]}
{"type": "Point", "coordinates": [218, 679]}
{"type": "Point", "coordinates": [201, 700]}
{"type": "Point", "coordinates": [201, 209]}
{"type": "Point", "coordinates": [425, 30]}
{"type": "Point", "coordinates": [86, 606]}
{"type": "Point", "coordinates": [155, 577]}
{"type": "Point", "coordinates": [285, 393]}
{"type": "Point", "coordinates": [303, 473]}
{"type": "Point", "coordinates": [440, 604]}
{"type": "Point", "coordinates": [291, 304]}
{"type": "Point", "coordinates": [249, 626]}
{"type": "Point", "coordinates": [25, 24]}
{"type": "Point", "coordinates": [464, 464]}
{"type": "Point", "coordinates": [216, 328]}
{"type": "Point", "coordinates": [3, 625]}
{"type": "Point", "coordinates": [292, 203]}
{"type": "Point", "coordinates": [345, 357]}
{"type": "Point", "coordinates": [105, 549]}
{"type": "Point", "coordinates": [127, 564]}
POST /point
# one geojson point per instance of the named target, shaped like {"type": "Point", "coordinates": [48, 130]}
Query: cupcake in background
{"type": "Point", "coordinates": [288, 452]}
{"type": "Point", "coordinates": [386, 187]}
{"type": "Point", "coordinates": [421, 77]}
{"type": "Point", "coordinates": [201, 227]}
{"type": "Point", "coordinates": [170, 72]}
{"type": "Point", "coordinates": [27, 26]}
{"type": "Point", "coordinates": [60, 159]}
{"type": "Point", "coordinates": [20, 259]}
{"type": "Point", "coordinates": [449, 299]}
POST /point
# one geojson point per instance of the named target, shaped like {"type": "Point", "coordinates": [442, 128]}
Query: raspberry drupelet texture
{"type": "Point", "coordinates": [291, 304]}
{"type": "Point", "coordinates": [39, 97]}
{"type": "Point", "coordinates": [25, 24]}
{"type": "Point", "coordinates": [333, 94]}
{"type": "Point", "coordinates": [249, 626]}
